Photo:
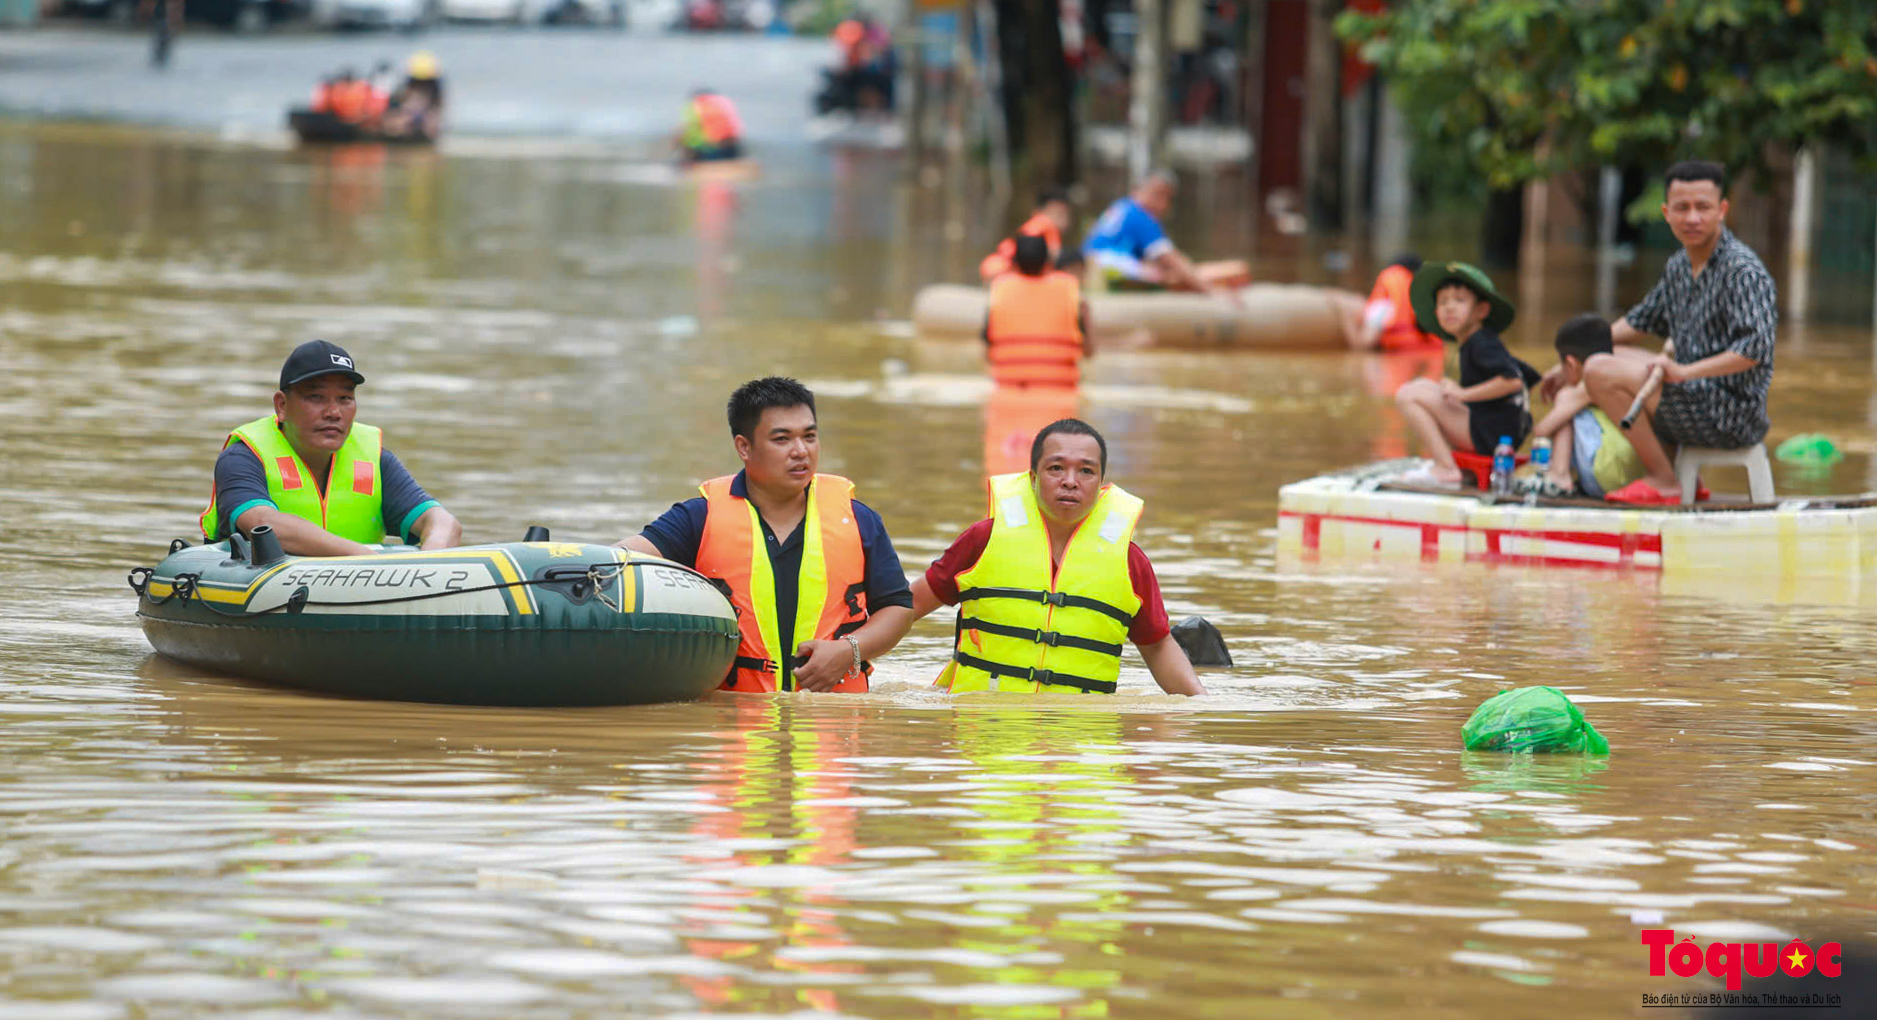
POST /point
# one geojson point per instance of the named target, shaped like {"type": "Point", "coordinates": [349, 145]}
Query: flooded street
{"type": "Point", "coordinates": [550, 340]}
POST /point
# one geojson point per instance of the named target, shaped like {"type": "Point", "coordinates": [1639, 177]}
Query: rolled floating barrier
{"type": "Point", "coordinates": [525, 623]}
{"type": "Point", "coordinates": [1268, 316]}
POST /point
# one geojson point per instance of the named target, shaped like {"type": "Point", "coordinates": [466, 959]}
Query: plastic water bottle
{"type": "Point", "coordinates": [1541, 463]}
{"type": "Point", "coordinates": [1502, 464]}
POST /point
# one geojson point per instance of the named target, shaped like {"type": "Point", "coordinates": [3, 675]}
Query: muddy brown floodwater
{"type": "Point", "coordinates": [549, 340]}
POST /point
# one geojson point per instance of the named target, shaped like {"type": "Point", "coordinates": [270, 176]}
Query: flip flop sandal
{"type": "Point", "coordinates": [1550, 489]}
{"type": "Point", "coordinates": [1641, 493]}
{"type": "Point", "coordinates": [1543, 486]}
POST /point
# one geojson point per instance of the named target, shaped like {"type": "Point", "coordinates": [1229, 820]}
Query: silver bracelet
{"type": "Point", "coordinates": [855, 642]}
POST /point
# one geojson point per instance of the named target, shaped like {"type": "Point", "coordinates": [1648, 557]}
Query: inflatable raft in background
{"type": "Point", "coordinates": [526, 623]}
{"type": "Point", "coordinates": [1826, 544]}
{"type": "Point", "coordinates": [1268, 316]}
{"type": "Point", "coordinates": [313, 127]}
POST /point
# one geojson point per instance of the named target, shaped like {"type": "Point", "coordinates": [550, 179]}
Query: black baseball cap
{"type": "Point", "coordinates": [315, 358]}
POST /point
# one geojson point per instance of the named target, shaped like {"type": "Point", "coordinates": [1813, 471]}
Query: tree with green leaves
{"type": "Point", "coordinates": [1526, 89]}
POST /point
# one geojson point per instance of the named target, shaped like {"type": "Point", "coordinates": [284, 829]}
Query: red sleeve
{"type": "Point", "coordinates": [1150, 621]}
{"type": "Point", "coordinates": [942, 575]}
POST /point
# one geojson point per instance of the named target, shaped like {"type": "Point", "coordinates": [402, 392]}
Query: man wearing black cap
{"type": "Point", "coordinates": [326, 485]}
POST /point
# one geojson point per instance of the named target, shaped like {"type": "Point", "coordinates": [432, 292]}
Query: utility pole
{"type": "Point", "coordinates": [1254, 100]}
{"type": "Point", "coordinates": [1147, 105]}
{"type": "Point", "coordinates": [1323, 130]}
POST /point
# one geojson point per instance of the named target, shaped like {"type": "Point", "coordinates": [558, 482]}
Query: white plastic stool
{"type": "Point", "coordinates": [1691, 459]}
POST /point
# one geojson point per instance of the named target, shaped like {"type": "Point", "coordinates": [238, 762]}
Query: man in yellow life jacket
{"type": "Point", "coordinates": [1051, 583]}
{"type": "Point", "coordinates": [1048, 221]}
{"type": "Point", "coordinates": [817, 587]}
{"type": "Point", "coordinates": [324, 483]}
{"type": "Point", "coordinates": [1033, 328]}
{"type": "Point", "coordinates": [712, 130]}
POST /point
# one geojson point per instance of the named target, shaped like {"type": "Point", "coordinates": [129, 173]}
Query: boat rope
{"type": "Point", "coordinates": [611, 572]}
{"type": "Point", "coordinates": [187, 586]}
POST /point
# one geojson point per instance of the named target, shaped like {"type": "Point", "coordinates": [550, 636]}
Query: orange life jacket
{"type": "Point", "coordinates": [1402, 333]}
{"type": "Point", "coordinates": [1034, 330]}
{"type": "Point", "coordinates": [351, 100]}
{"type": "Point", "coordinates": [1000, 261]}
{"type": "Point", "coordinates": [831, 600]}
{"type": "Point", "coordinates": [375, 100]}
{"type": "Point", "coordinates": [849, 35]}
{"type": "Point", "coordinates": [718, 119]}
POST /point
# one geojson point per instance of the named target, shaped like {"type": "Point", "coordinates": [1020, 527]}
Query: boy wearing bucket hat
{"type": "Point", "coordinates": [1457, 302]}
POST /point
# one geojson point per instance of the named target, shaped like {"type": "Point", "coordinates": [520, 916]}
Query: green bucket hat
{"type": "Point", "coordinates": [1427, 282]}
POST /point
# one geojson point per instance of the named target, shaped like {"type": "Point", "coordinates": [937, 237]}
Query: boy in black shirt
{"type": "Point", "coordinates": [1455, 301]}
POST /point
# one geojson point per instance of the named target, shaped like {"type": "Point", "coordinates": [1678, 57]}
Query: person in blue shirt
{"type": "Point", "coordinates": [1131, 251]}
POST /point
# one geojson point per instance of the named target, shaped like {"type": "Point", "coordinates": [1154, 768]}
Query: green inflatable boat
{"type": "Point", "coordinates": [525, 623]}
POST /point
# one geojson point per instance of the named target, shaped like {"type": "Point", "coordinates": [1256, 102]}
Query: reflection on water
{"type": "Point", "coordinates": [550, 341]}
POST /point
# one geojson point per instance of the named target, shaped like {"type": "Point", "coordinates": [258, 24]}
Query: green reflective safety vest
{"type": "Point", "coordinates": [352, 506]}
{"type": "Point", "coordinates": [1025, 628]}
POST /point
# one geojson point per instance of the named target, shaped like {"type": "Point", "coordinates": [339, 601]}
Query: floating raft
{"type": "Point", "coordinates": [1269, 316]}
{"type": "Point", "coordinates": [525, 623]}
{"type": "Point", "coordinates": [313, 127]}
{"type": "Point", "coordinates": [1362, 513]}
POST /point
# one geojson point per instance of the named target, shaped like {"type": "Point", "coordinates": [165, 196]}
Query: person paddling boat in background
{"type": "Point", "coordinates": [323, 482]}
{"type": "Point", "coordinates": [1129, 250]}
{"type": "Point", "coordinates": [1051, 583]}
{"type": "Point", "coordinates": [416, 108]}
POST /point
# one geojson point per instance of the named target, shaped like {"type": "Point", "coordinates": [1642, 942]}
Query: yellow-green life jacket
{"type": "Point", "coordinates": [352, 505]}
{"type": "Point", "coordinates": [1025, 628]}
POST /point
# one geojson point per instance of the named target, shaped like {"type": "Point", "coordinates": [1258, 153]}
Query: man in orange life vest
{"type": "Point", "coordinates": [1048, 221]}
{"type": "Point", "coordinates": [1033, 328]}
{"type": "Point", "coordinates": [827, 594]}
{"type": "Point", "coordinates": [1051, 582]}
{"type": "Point", "coordinates": [1388, 319]}
{"type": "Point", "coordinates": [712, 129]}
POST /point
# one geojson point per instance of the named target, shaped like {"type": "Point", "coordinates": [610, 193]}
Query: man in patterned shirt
{"type": "Point", "coordinates": [1718, 304]}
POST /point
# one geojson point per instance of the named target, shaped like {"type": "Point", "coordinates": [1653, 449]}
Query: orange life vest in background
{"type": "Point", "coordinates": [1034, 330]}
{"type": "Point", "coordinates": [375, 101]}
{"type": "Point", "coordinates": [831, 600]}
{"type": "Point", "coordinates": [1402, 333]}
{"type": "Point", "coordinates": [718, 119]}
{"type": "Point", "coordinates": [999, 262]}
{"type": "Point", "coordinates": [351, 100]}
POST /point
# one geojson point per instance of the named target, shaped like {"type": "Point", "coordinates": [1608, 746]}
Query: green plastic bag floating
{"type": "Point", "coordinates": [1809, 450]}
{"type": "Point", "coordinates": [1532, 719]}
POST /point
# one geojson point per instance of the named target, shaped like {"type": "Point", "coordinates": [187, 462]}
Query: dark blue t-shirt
{"type": "Point", "coordinates": [680, 531]}
{"type": "Point", "coordinates": [1483, 357]}
{"type": "Point", "coordinates": [241, 484]}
